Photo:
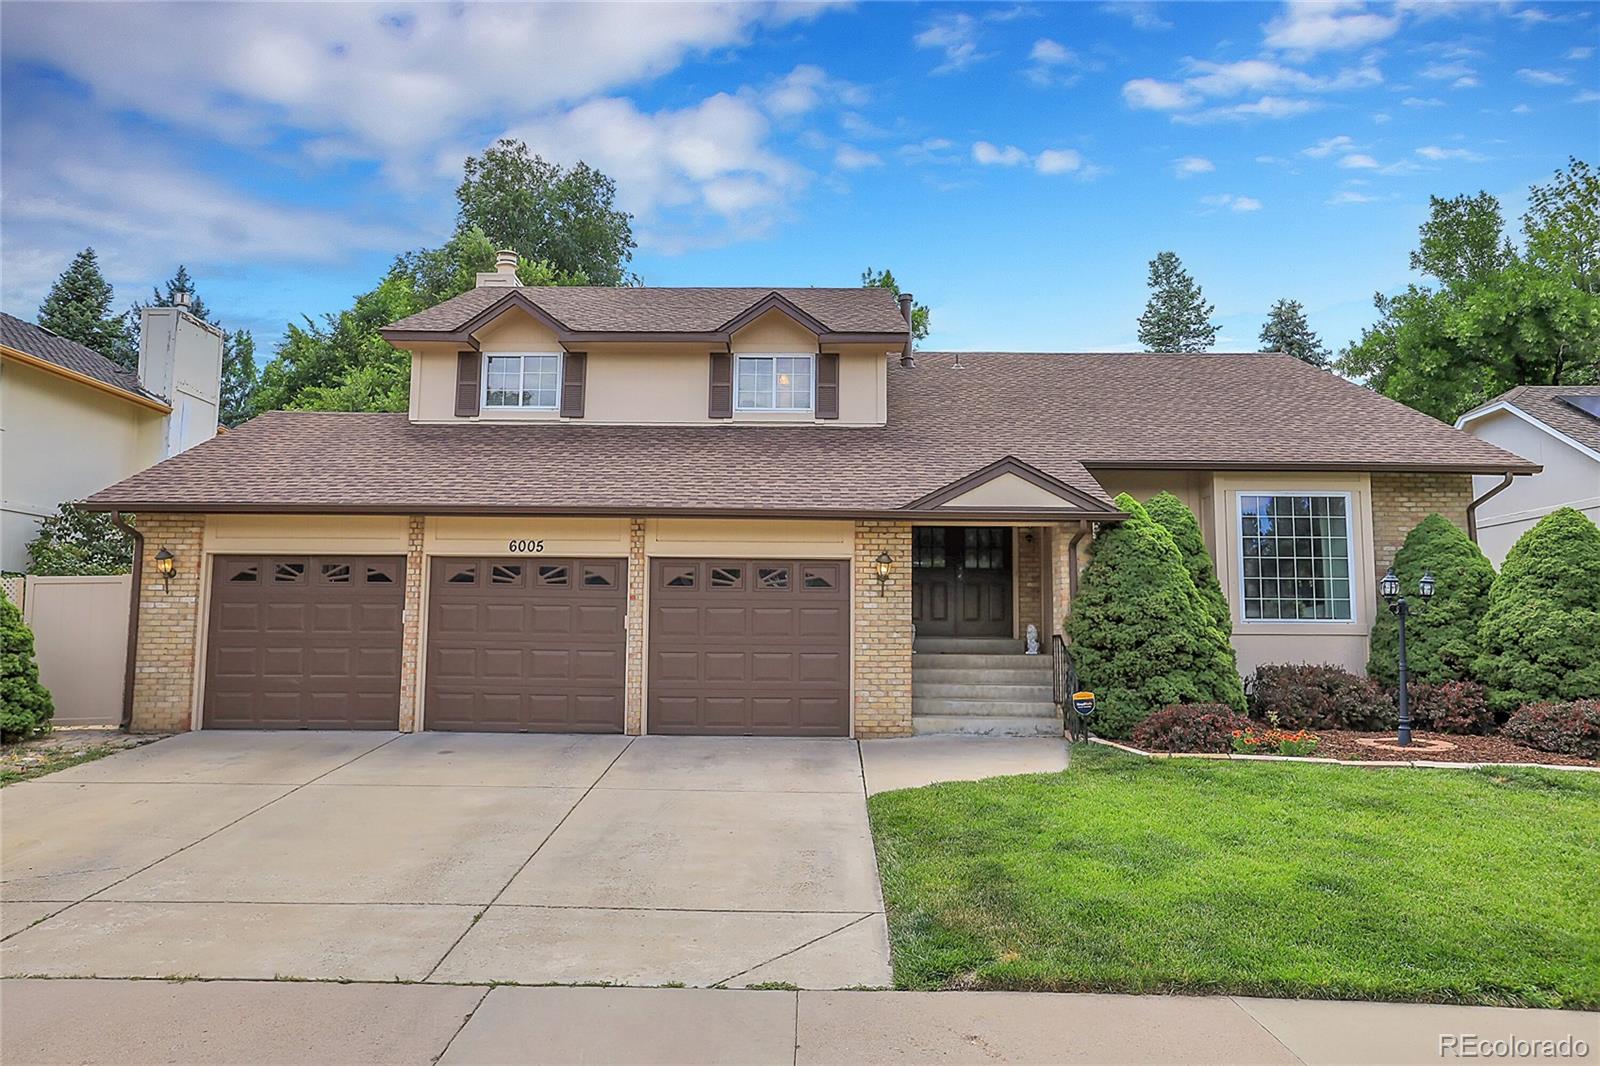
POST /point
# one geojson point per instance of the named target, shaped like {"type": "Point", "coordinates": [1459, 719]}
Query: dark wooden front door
{"type": "Point", "coordinates": [961, 581]}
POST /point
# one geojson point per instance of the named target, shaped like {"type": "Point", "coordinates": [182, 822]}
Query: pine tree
{"type": "Point", "coordinates": [25, 705]}
{"type": "Point", "coordinates": [1176, 518]}
{"type": "Point", "coordinates": [1141, 637]}
{"type": "Point", "coordinates": [239, 378]}
{"type": "Point", "coordinates": [1286, 330]}
{"type": "Point", "coordinates": [78, 307]}
{"type": "Point", "coordinates": [1442, 640]}
{"type": "Point", "coordinates": [1177, 318]}
{"type": "Point", "coordinates": [1540, 636]}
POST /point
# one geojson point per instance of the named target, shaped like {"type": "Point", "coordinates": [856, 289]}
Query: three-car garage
{"type": "Point", "coordinates": [531, 643]}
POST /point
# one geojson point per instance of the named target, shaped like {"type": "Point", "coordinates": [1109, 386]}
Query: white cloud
{"type": "Point", "coordinates": [1524, 109]}
{"type": "Point", "coordinates": [1329, 146]}
{"type": "Point", "coordinates": [1053, 63]}
{"type": "Point", "coordinates": [1265, 75]}
{"type": "Point", "coordinates": [1190, 165]}
{"type": "Point", "coordinates": [1358, 161]}
{"type": "Point", "coordinates": [931, 150]}
{"type": "Point", "coordinates": [1422, 101]}
{"type": "Point", "coordinates": [989, 155]}
{"type": "Point", "coordinates": [1240, 204]}
{"type": "Point", "coordinates": [1152, 95]}
{"type": "Point", "coordinates": [957, 37]}
{"type": "Point", "coordinates": [1438, 155]}
{"type": "Point", "coordinates": [710, 160]}
{"type": "Point", "coordinates": [1267, 107]}
{"type": "Point", "coordinates": [1380, 117]}
{"type": "Point", "coordinates": [374, 82]}
{"type": "Point", "coordinates": [1543, 77]}
{"type": "Point", "coordinates": [1445, 71]}
{"type": "Point", "coordinates": [1051, 52]}
{"type": "Point", "coordinates": [1580, 53]}
{"type": "Point", "coordinates": [1057, 161]}
{"type": "Point", "coordinates": [1350, 196]}
{"type": "Point", "coordinates": [1141, 13]}
{"type": "Point", "coordinates": [849, 157]}
{"type": "Point", "coordinates": [1312, 26]}
{"type": "Point", "coordinates": [807, 87]}
{"type": "Point", "coordinates": [1587, 96]}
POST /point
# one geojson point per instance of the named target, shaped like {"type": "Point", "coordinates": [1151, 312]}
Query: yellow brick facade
{"type": "Point", "coordinates": [882, 643]}
{"type": "Point", "coordinates": [169, 624]}
{"type": "Point", "coordinates": [638, 575]}
{"type": "Point", "coordinates": [1029, 570]}
{"type": "Point", "coordinates": [411, 623]}
{"type": "Point", "coordinates": [1400, 501]}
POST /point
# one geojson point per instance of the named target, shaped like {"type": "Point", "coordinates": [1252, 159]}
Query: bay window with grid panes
{"type": "Point", "coordinates": [1296, 557]}
{"type": "Point", "coordinates": [526, 382]}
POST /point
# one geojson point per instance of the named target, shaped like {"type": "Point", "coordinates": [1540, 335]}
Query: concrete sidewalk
{"type": "Point", "coordinates": [214, 1022]}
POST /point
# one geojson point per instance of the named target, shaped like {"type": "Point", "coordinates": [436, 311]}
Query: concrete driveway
{"type": "Point", "coordinates": [448, 857]}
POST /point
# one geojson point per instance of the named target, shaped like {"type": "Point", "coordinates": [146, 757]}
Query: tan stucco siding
{"type": "Point", "coordinates": [532, 535]}
{"type": "Point", "coordinates": [1570, 479]}
{"type": "Point", "coordinates": [643, 382]}
{"type": "Point", "coordinates": [243, 534]}
{"type": "Point", "coordinates": [61, 440]}
{"type": "Point", "coordinates": [703, 537]}
{"type": "Point", "coordinates": [1003, 492]}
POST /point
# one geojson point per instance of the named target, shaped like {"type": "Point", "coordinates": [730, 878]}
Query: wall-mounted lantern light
{"type": "Point", "coordinates": [166, 565]}
{"type": "Point", "coordinates": [884, 562]}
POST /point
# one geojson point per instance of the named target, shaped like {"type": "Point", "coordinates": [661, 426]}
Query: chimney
{"type": "Point", "coordinates": [908, 358]}
{"type": "Point", "coordinates": [504, 274]}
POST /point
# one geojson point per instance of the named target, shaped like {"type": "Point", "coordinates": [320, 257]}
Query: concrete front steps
{"type": "Point", "coordinates": [981, 686]}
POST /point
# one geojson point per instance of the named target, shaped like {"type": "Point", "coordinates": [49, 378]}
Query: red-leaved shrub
{"type": "Point", "coordinates": [1566, 728]}
{"type": "Point", "coordinates": [1190, 727]}
{"type": "Point", "coordinates": [1453, 707]}
{"type": "Point", "coordinates": [1303, 696]}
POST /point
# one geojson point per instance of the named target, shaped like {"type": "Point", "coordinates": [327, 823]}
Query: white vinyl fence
{"type": "Point", "coordinates": [80, 633]}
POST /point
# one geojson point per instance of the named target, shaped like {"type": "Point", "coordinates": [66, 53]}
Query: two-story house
{"type": "Point", "coordinates": [743, 511]}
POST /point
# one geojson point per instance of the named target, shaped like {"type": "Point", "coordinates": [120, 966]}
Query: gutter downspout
{"type": "Point", "coordinates": [121, 523]}
{"type": "Point", "coordinates": [1472, 508]}
{"type": "Point", "coordinates": [908, 357]}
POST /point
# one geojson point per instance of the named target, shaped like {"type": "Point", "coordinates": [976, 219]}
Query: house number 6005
{"type": "Point", "coordinates": [523, 547]}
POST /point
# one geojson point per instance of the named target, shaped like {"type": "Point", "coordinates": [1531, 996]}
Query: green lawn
{"type": "Point", "coordinates": [1188, 875]}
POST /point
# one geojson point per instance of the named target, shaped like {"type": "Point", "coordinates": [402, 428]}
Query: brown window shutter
{"type": "Point", "coordinates": [828, 385]}
{"type": "Point", "coordinates": [468, 366]}
{"type": "Point", "coordinates": [721, 405]}
{"type": "Point", "coordinates": [572, 375]}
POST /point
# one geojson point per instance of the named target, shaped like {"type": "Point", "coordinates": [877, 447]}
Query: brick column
{"type": "Point", "coordinates": [411, 633]}
{"type": "Point", "coordinates": [882, 638]}
{"type": "Point", "coordinates": [1061, 535]}
{"type": "Point", "coordinates": [1029, 571]}
{"type": "Point", "coordinates": [169, 624]}
{"type": "Point", "coordinates": [1400, 501]}
{"type": "Point", "coordinates": [638, 574]}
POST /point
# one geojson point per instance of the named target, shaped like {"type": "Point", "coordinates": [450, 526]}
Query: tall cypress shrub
{"type": "Point", "coordinates": [1541, 632]}
{"type": "Point", "coordinates": [1141, 636]}
{"type": "Point", "coordinates": [1442, 636]}
{"type": "Point", "coordinates": [25, 705]}
{"type": "Point", "coordinates": [1175, 517]}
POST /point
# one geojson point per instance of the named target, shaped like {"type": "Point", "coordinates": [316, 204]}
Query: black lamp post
{"type": "Point", "coordinates": [1390, 586]}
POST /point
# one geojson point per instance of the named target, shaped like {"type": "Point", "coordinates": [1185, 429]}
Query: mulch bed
{"type": "Point", "coordinates": [1343, 744]}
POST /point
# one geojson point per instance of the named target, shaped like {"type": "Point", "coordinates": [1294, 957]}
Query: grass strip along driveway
{"type": "Point", "coordinates": [1273, 879]}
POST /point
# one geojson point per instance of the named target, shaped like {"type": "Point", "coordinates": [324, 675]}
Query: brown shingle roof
{"type": "Point", "coordinates": [1063, 414]}
{"type": "Point", "coordinates": [590, 309]}
{"type": "Point", "coordinates": [68, 354]}
{"type": "Point", "coordinates": [1544, 403]}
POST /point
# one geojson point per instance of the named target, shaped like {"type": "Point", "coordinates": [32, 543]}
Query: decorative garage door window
{"type": "Point", "coordinates": [1295, 557]}
{"type": "Point", "coordinates": [304, 642]}
{"type": "Point", "coordinates": [749, 647]}
{"type": "Point", "coordinates": [517, 646]}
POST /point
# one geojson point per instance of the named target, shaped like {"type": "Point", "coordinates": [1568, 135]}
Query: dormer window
{"type": "Point", "coordinates": [775, 383]}
{"type": "Point", "coordinates": [528, 381]}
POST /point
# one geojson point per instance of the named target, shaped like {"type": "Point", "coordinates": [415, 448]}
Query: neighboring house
{"type": "Point", "coordinates": [73, 422]}
{"type": "Point", "coordinates": [1557, 426]}
{"type": "Point", "coordinates": [724, 511]}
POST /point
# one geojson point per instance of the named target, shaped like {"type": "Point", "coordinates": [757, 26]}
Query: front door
{"type": "Point", "coordinates": [961, 581]}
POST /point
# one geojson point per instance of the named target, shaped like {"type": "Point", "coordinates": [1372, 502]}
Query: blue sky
{"type": "Point", "coordinates": [1016, 165]}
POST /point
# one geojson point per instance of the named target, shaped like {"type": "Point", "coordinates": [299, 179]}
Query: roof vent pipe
{"type": "Point", "coordinates": [505, 261]}
{"type": "Point", "coordinates": [182, 299]}
{"type": "Point", "coordinates": [908, 358]}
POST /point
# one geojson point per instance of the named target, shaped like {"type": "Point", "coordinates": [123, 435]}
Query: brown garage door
{"type": "Point", "coordinates": [304, 642]}
{"type": "Point", "coordinates": [750, 647]}
{"type": "Point", "coordinates": [527, 645]}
